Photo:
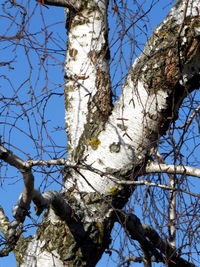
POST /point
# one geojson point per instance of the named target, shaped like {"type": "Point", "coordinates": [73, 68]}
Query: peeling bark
{"type": "Point", "coordinates": [117, 140]}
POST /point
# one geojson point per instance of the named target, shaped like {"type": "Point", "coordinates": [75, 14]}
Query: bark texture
{"type": "Point", "coordinates": [111, 141]}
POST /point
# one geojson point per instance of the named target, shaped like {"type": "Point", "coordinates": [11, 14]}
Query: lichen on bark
{"type": "Point", "coordinates": [21, 249]}
{"type": "Point", "coordinates": [86, 233]}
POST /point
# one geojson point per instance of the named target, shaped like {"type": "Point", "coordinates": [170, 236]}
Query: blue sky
{"type": "Point", "coordinates": [12, 187]}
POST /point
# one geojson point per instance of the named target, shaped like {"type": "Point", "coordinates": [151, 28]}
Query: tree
{"type": "Point", "coordinates": [112, 145]}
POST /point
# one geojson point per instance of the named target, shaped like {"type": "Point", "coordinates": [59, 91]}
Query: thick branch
{"type": "Point", "coordinates": [133, 226]}
{"type": "Point", "coordinates": [41, 201]}
{"type": "Point", "coordinates": [23, 204]}
{"type": "Point", "coordinates": [61, 3]}
{"type": "Point", "coordinates": [172, 257]}
{"type": "Point", "coordinates": [20, 210]}
{"type": "Point", "coordinates": [154, 89]}
{"type": "Point", "coordinates": [59, 205]}
{"type": "Point", "coordinates": [12, 159]}
{"type": "Point", "coordinates": [88, 95]}
{"type": "Point", "coordinates": [150, 241]}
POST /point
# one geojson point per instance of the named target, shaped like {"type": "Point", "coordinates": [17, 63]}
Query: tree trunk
{"type": "Point", "coordinates": [111, 143]}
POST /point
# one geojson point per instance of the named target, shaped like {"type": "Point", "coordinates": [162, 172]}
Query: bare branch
{"type": "Point", "coordinates": [195, 112]}
{"type": "Point", "coordinates": [162, 186]}
{"type": "Point", "coordinates": [12, 159]}
{"type": "Point", "coordinates": [151, 241]}
{"type": "Point", "coordinates": [133, 226]}
{"type": "Point", "coordinates": [154, 167]}
{"type": "Point", "coordinates": [48, 163]}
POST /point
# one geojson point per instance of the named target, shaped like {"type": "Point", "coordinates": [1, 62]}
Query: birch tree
{"type": "Point", "coordinates": [113, 146]}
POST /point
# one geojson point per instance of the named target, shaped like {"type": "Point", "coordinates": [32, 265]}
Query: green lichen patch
{"type": "Point", "coordinates": [57, 237]}
{"type": "Point", "coordinates": [101, 233]}
{"type": "Point", "coordinates": [94, 126]}
{"type": "Point", "coordinates": [114, 190]}
{"type": "Point", "coordinates": [95, 142]}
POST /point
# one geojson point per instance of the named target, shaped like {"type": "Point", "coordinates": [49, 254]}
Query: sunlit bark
{"type": "Point", "coordinates": [115, 140]}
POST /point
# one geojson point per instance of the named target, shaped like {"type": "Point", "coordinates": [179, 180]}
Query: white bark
{"type": "Point", "coordinates": [86, 37]}
{"type": "Point", "coordinates": [122, 140]}
{"type": "Point", "coordinates": [4, 222]}
{"type": "Point", "coordinates": [153, 167]}
{"type": "Point", "coordinates": [36, 257]}
{"type": "Point", "coordinates": [172, 212]}
{"type": "Point", "coordinates": [131, 145]}
{"type": "Point", "coordinates": [131, 130]}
